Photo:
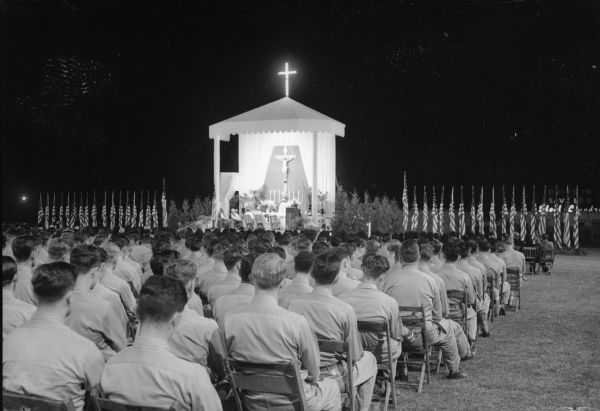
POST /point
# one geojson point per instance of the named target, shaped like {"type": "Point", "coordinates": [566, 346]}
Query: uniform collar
{"type": "Point", "coordinates": [264, 299]}
{"type": "Point", "coordinates": [367, 286]}
{"type": "Point", "coordinates": [300, 279]}
{"type": "Point", "coordinates": [323, 291]}
{"type": "Point", "coordinates": [150, 342]}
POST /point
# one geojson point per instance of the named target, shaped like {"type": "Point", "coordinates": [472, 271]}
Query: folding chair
{"type": "Point", "coordinates": [383, 327]}
{"type": "Point", "coordinates": [278, 378]}
{"type": "Point", "coordinates": [260, 221]}
{"type": "Point", "coordinates": [102, 404]}
{"type": "Point", "coordinates": [513, 276]}
{"type": "Point", "coordinates": [546, 260]}
{"type": "Point", "coordinates": [492, 284]}
{"type": "Point", "coordinates": [249, 222]}
{"type": "Point", "coordinates": [275, 224]}
{"type": "Point", "coordinates": [341, 347]}
{"type": "Point", "coordinates": [530, 255]}
{"type": "Point", "coordinates": [417, 322]}
{"type": "Point", "coordinates": [20, 402]}
{"type": "Point", "coordinates": [457, 306]}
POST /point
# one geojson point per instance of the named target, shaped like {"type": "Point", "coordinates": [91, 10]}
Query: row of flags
{"type": "Point", "coordinates": [121, 214]}
{"type": "Point", "coordinates": [531, 221]}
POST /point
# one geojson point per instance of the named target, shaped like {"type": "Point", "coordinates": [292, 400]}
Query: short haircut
{"type": "Point", "coordinates": [464, 248]}
{"type": "Point", "coordinates": [193, 243]}
{"type": "Point", "coordinates": [22, 247]}
{"type": "Point", "coordinates": [9, 269]}
{"type": "Point", "coordinates": [303, 244]}
{"type": "Point", "coordinates": [182, 270]}
{"type": "Point", "coordinates": [160, 244]}
{"type": "Point", "coordinates": [279, 251]}
{"type": "Point", "coordinates": [349, 247]}
{"type": "Point", "coordinates": [160, 298]}
{"type": "Point", "coordinates": [436, 245]}
{"type": "Point", "coordinates": [51, 282]}
{"type": "Point", "coordinates": [483, 245]}
{"type": "Point", "coordinates": [161, 259]}
{"type": "Point", "coordinates": [112, 251]}
{"type": "Point", "coordinates": [246, 267]}
{"type": "Point", "coordinates": [217, 252]}
{"type": "Point", "coordinates": [326, 268]}
{"type": "Point", "coordinates": [84, 258]}
{"type": "Point", "coordinates": [409, 251]}
{"type": "Point", "coordinates": [268, 271]}
{"type": "Point", "coordinates": [374, 265]}
{"type": "Point", "coordinates": [121, 241]}
{"type": "Point", "coordinates": [341, 252]}
{"type": "Point", "coordinates": [372, 246]}
{"type": "Point", "coordinates": [303, 262]}
{"type": "Point", "coordinates": [58, 249]}
{"type": "Point", "coordinates": [426, 251]}
{"type": "Point", "coordinates": [232, 256]}
{"type": "Point", "coordinates": [450, 251]}
{"type": "Point", "coordinates": [320, 247]}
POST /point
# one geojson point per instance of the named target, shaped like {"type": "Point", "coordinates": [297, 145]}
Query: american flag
{"type": "Point", "coordinates": [148, 212]}
{"type": "Point", "coordinates": [54, 211]}
{"type": "Point", "coordinates": [405, 205]}
{"type": "Point", "coordinates": [68, 210]}
{"type": "Point", "coordinates": [163, 203]}
{"type": "Point", "coordinates": [493, 215]}
{"type": "Point", "coordinates": [557, 227]}
{"type": "Point", "coordinates": [133, 212]}
{"type": "Point", "coordinates": [473, 214]}
{"type": "Point", "coordinates": [141, 216]}
{"type": "Point", "coordinates": [86, 211]}
{"type": "Point", "coordinates": [154, 212]}
{"type": "Point", "coordinates": [121, 216]}
{"type": "Point", "coordinates": [462, 227]}
{"type": "Point", "coordinates": [567, 222]}
{"type": "Point", "coordinates": [504, 212]}
{"type": "Point", "coordinates": [105, 211]}
{"type": "Point", "coordinates": [576, 220]}
{"type": "Point", "coordinates": [542, 221]}
{"type": "Point", "coordinates": [480, 221]}
{"type": "Point", "coordinates": [434, 214]}
{"type": "Point", "coordinates": [513, 213]}
{"type": "Point", "coordinates": [523, 218]}
{"type": "Point", "coordinates": [415, 214]}
{"type": "Point", "coordinates": [74, 212]}
{"type": "Point", "coordinates": [451, 212]}
{"type": "Point", "coordinates": [441, 213]}
{"type": "Point", "coordinates": [94, 212]}
{"type": "Point", "coordinates": [113, 212]}
{"type": "Point", "coordinates": [81, 211]}
{"type": "Point", "coordinates": [40, 219]}
{"type": "Point", "coordinates": [425, 210]}
{"type": "Point", "coordinates": [47, 211]}
{"type": "Point", "coordinates": [127, 210]}
{"type": "Point", "coordinates": [533, 232]}
{"type": "Point", "coordinates": [61, 211]}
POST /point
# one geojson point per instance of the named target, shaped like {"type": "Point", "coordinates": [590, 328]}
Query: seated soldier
{"type": "Point", "coordinates": [303, 263]}
{"type": "Point", "coordinates": [505, 285]}
{"type": "Point", "coordinates": [114, 283]}
{"type": "Point", "coordinates": [124, 267]}
{"type": "Point", "coordinates": [333, 319]}
{"type": "Point", "coordinates": [108, 295]}
{"type": "Point", "coordinates": [426, 254]}
{"type": "Point", "coordinates": [58, 250]}
{"type": "Point", "coordinates": [545, 246]}
{"type": "Point", "coordinates": [297, 246]}
{"type": "Point", "coordinates": [413, 288]}
{"type": "Point", "coordinates": [45, 357]}
{"type": "Point", "coordinates": [217, 273]}
{"type": "Point", "coordinates": [343, 282]}
{"type": "Point", "coordinates": [231, 258]}
{"type": "Point", "coordinates": [14, 311]}
{"type": "Point", "coordinates": [195, 338]}
{"type": "Point", "coordinates": [262, 332]}
{"type": "Point", "coordinates": [493, 271]}
{"type": "Point", "coordinates": [353, 273]}
{"type": "Point", "coordinates": [22, 249]}
{"type": "Point", "coordinates": [370, 304]}
{"type": "Point", "coordinates": [241, 295]}
{"type": "Point", "coordinates": [142, 255]}
{"type": "Point", "coordinates": [147, 373]}
{"type": "Point", "coordinates": [476, 271]}
{"type": "Point", "coordinates": [513, 258]}
{"type": "Point", "coordinates": [91, 316]}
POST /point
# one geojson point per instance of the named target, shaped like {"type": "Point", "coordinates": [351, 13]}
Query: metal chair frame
{"type": "Point", "coordinates": [530, 255]}
{"type": "Point", "coordinates": [341, 347]}
{"type": "Point", "coordinates": [102, 404]}
{"type": "Point", "coordinates": [513, 276]}
{"type": "Point", "coordinates": [12, 401]}
{"type": "Point", "coordinates": [415, 321]}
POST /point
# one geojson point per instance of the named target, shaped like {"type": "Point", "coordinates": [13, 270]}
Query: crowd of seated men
{"type": "Point", "coordinates": [148, 319]}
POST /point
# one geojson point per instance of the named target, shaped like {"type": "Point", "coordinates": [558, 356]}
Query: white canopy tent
{"type": "Point", "coordinates": [284, 122]}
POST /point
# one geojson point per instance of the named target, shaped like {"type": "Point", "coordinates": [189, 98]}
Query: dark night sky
{"type": "Point", "coordinates": [116, 95]}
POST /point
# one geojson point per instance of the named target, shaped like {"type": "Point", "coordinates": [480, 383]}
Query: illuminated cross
{"type": "Point", "coordinates": [287, 73]}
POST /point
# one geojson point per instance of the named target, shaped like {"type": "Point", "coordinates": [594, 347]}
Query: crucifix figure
{"type": "Point", "coordinates": [285, 159]}
{"type": "Point", "coordinates": [287, 73]}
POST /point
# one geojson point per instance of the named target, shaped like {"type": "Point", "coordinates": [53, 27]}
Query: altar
{"type": "Point", "coordinates": [287, 157]}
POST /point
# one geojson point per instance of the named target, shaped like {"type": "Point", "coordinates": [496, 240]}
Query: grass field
{"type": "Point", "coordinates": [545, 356]}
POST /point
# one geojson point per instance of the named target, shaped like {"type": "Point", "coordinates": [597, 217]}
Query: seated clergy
{"type": "Point", "coordinates": [303, 263]}
{"type": "Point", "coordinates": [262, 332]}
{"type": "Point", "coordinates": [45, 357]}
{"type": "Point", "coordinates": [413, 288]}
{"type": "Point", "coordinates": [14, 311]}
{"type": "Point", "coordinates": [22, 249]}
{"type": "Point", "coordinates": [373, 305]}
{"type": "Point", "coordinates": [232, 280]}
{"type": "Point", "coordinates": [91, 316]}
{"type": "Point", "coordinates": [195, 338]}
{"type": "Point", "coordinates": [241, 295]}
{"type": "Point", "coordinates": [147, 373]}
{"type": "Point", "coordinates": [333, 319]}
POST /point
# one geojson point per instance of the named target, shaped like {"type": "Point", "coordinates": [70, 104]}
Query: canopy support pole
{"type": "Point", "coordinates": [315, 217]}
{"type": "Point", "coordinates": [217, 178]}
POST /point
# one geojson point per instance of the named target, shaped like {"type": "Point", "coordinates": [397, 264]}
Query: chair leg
{"type": "Point", "coordinates": [393, 387]}
{"type": "Point", "coordinates": [422, 377]}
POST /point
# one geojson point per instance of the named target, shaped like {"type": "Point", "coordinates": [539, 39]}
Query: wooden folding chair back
{"type": "Point", "coordinates": [279, 378]}
{"type": "Point", "coordinates": [341, 347]}
{"type": "Point", "coordinates": [103, 404]}
{"type": "Point", "coordinates": [457, 302]}
{"type": "Point", "coordinates": [20, 402]}
{"type": "Point", "coordinates": [513, 276]}
{"type": "Point", "coordinates": [530, 255]}
{"type": "Point", "coordinates": [546, 259]}
{"type": "Point", "coordinates": [413, 317]}
{"type": "Point", "coordinates": [491, 284]}
{"type": "Point", "coordinates": [383, 328]}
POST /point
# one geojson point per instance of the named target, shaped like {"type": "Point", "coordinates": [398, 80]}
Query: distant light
{"type": "Point", "coordinates": [23, 198]}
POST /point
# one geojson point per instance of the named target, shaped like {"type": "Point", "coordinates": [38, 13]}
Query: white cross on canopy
{"type": "Point", "coordinates": [287, 73]}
